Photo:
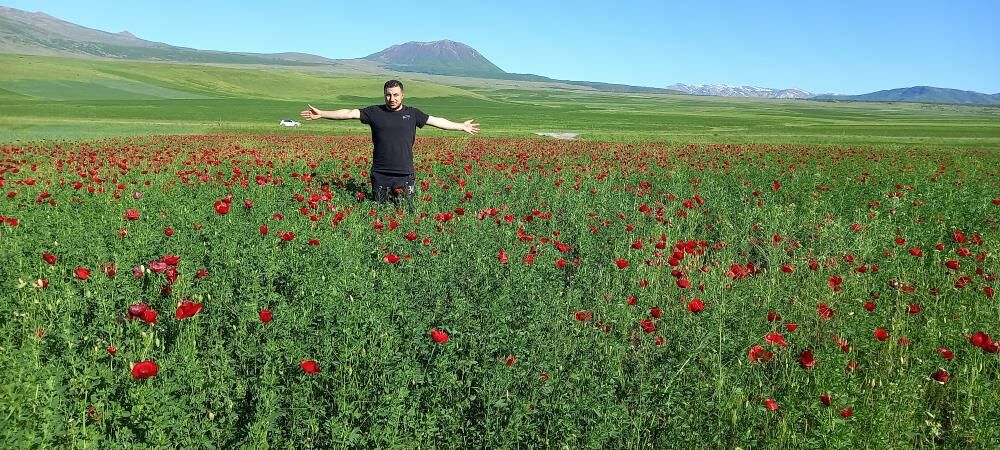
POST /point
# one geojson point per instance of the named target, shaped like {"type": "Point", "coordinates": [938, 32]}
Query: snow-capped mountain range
{"type": "Point", "coordinates": [725, 90]}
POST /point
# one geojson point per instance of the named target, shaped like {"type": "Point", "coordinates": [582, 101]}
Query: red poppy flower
{"type": "Point", "coordinates": [914, 308]}
{"type": "Point", "coordinates": [287, 236]}
{"type": "Point", "coordinates": [683, 284]}
{"type": "Point", "coordinates": [941, 376]}
{"type": "Point", "coordinates": [825, 398]}
{"type": "Point", "coordinates": [870, 306]}
{"type": "Point", "coordinates": [775, 339]}
{"type": "Point", "coordinates": [583, 316]}
{"type": "Point", "coordinates": [946, 354]}
{"type": "Point", "coordinates": [112, 350]}
{"type": "Point", "coordinates": [510, 360]}
{"type": "Point", "coordinates": [144, 369]}
{"type": "Point", "coordinates": [149, 316]}
{"type": "Point", "coordinates": [696, 305]}
{"type": "Point", "coordinates": [221, 207]}
{"type": "Point", "coordinates": [655, 312]}
{"type": "Point", "coordinates": [265, 315]}
{"type": "Point", "coordinates": [770, 404]}
{"type": "Point", "coordinates": [916, 252]}
{"type": "Point", "coordinates": [168, 231]}
{"type": "Point", "coordinates": [131, 214]}
{"type": "Point", "coordinates": [82, 273]}
{"type": "Point", "coordinates": [825, 312]}
{"type": "Point", "coordinates": [881, 334]}
{"type": "Point", "coordinates": [263, 229]}
{"type": "Point", "coordinates": [502, 256]}
{"type": "Point", "coordinates": [187, 309]}
{"type": "Point", "coordinates": [439, 336]}
{"type": "Point", "coordinates": [847, 412]}
{"type": "Point", "coordinates": [309, 366]}
{"type": "Point", "coordinates": [621, 263]}
{"type": "Point", "coordinates": [391, 258]}
{"type": "Point", "coordinates": [647, 325]}
{"type": "Point", "coordinates": [49, 258]}
{"type": "Point", "coordinates": [758, 354]}
{"type": "Point", "coordinates": [560, 263]}
{"type": "Point", "coordinates": [980, 339]}
{"type": "Point", "coordinates": [806, 359]}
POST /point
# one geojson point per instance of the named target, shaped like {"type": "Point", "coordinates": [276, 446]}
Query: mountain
{"type": "Point", "coordinates": [37, 33]}
{"type": "Point", "coordinates": [725, 90]}
{"type": "Point", "coordinates": [921, 94]}
{"type": "Point", "coordinates": [439, 58]}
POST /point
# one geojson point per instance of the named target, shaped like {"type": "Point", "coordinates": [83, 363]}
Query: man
{"type": "Point", "coordinates": [394, 129]}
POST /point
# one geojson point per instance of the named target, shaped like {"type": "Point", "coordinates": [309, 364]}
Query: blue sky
{"type": "Point", "coordinates": [844, 47]}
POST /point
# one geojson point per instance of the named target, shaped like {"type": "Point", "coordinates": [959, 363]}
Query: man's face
{"type": "Point", "coordinates": [394, 98]}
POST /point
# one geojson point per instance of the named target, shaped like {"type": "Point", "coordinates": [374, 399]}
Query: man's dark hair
{"type": "Point", "coordinates": [392, 84]}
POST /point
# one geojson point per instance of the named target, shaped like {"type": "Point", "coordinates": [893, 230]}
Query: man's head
{"type": "Point", "coordinates": [393, 91]}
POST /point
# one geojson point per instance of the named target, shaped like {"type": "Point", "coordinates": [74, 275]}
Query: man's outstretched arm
{"type": "Point", "coordinates": [314, 113]}
{"type": "Point", "coordinates": [439, 122]}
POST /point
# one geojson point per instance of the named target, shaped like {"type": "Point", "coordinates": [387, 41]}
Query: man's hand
{"type": "Point", "coordinates": [470, 127]}
{"type": "Point", "coordinates": [312, 113]}
{"type": "Point", "coordinates": [439, 122]}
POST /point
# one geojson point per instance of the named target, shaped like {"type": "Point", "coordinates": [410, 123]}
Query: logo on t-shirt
{"type": "Point", "coordinates": [406, 116]}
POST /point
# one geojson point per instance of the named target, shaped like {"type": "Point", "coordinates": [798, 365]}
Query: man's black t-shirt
{"type": "Point", "coordinates": [393, 133]}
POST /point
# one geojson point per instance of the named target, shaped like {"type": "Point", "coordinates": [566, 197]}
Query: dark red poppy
{"type": "Point", "coordinates": [869, 306]}
{"type": "Point", "coordinates": [502, 256]}
{"type": "Point", "coordinates": [881, 334]}
{"type": "Point", "coordinates": [131, 214]}
{"type": "Point", "coordinates": [758, 354]}
{"type": "Point", "coordinates": [825, 312]}
{"type": "Point", "coordinates": [265, 316]}
{"type": "Point", "coordinates": [696, 305]}
{"type": "Point", "coordinates": [82, 273]}
{"type": "Point", "coordinates": [583, 316]}
{"type": "Point", "coordinates": [309, 366]}
{"type": "Point", "coordinates": [941, 376]}
{"type": "Point", "coordinates": [221, 207]}
{"type": "Point", "coordinates": [621, 263]}
{"type": "Point", "coordinates": [439, 336]}
{"type": "Point", "coordinates": [946, 353]}
{"type": "Point", "coordinates": [647, 326]}
{"type": "Point", "coordinates": [847, 412]}
{"type": "Point", "coordinates": [391, 258]}
{"type": "Point", "coordinates": [806, 359]}
{"type": "Point", "coordinates": [49, 258]}
{"type": "Point", "coordinates": [144, 369]}
{"type": "Point", "coordinates": [775, 339]}
{"type": "Point", "coordinates": [825, 398]}
{"type": "Point", "coordinates": [149, 316]}
{"type": "Point", "coordinates": [916, 252]}
{"type": "Point", "coordinates": [187, 309]}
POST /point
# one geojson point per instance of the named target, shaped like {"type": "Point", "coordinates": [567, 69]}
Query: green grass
{"type": "Point", "coordinates": [226, 380]}
{"type": "Point", "coordinates": [44, 98]}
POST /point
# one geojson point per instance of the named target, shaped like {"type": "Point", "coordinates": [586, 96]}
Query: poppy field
{"type": "Point", "coordinates": [223, 291]}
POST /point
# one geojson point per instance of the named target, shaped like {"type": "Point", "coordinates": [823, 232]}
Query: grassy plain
{"type": "Point", "coordinates": [59, 98]}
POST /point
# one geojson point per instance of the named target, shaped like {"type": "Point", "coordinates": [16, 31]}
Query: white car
{"type": "Point", "coordinates": [289, 123]}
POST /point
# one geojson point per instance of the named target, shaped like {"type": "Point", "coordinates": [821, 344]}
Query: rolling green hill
{"type": "Point", "coordinates": [922, 94]}
{"type": "Point", "coordinates": [67, 98]}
